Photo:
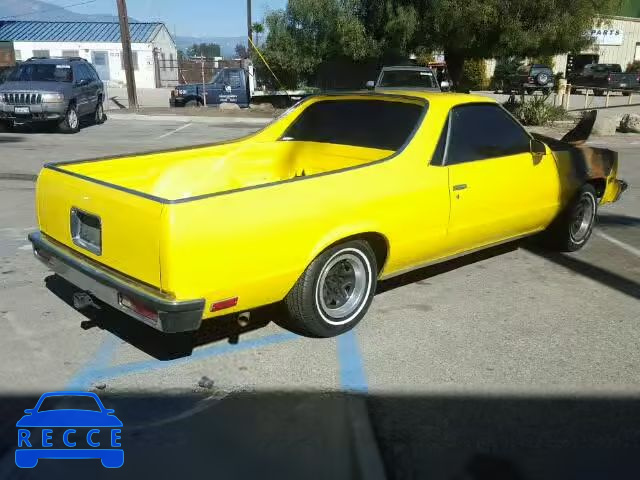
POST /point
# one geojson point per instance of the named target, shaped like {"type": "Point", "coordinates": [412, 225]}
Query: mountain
{"type": "Point", "coordinates": [227, 44]}
{"type": "Point", "coordinates": [43, 11]}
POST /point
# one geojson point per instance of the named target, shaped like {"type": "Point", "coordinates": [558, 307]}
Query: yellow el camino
{"type": "Point", "coordinates": [338, 193]}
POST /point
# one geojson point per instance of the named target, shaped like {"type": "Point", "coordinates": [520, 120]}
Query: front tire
{"type": "Point", "coordinates": [335, 291]}
{"type": "Point", "coordinates": [71, 121]}
{"type": "Point", "coordinates": [572, 229]}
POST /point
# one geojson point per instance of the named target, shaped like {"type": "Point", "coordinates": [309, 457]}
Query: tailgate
{"type": "Point", "coordinates": [115, 228]}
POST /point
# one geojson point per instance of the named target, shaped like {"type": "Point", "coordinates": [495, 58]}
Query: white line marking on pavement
{"type": "Point", "coordinates": [25, 247]}
{"type": "Point", "coordinates": [174, 131]}
{"type": "Point", "coordinates": [617, 242]}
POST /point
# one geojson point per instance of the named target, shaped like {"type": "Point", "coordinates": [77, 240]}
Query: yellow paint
{"type": "Point", "coordinates": [255, 243]}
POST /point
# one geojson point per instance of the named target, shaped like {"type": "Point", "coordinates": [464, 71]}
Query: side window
{"type": "Point", "coordinates": [438, 154]}
{"type": "Point", "coordinates": [483, 131]}
{"type": "Point", "coordinates": [92, 73]}
{"type": "Point", "coordinates": [235, 79]}
{"type": "Point", "coordinates": [81, 73]}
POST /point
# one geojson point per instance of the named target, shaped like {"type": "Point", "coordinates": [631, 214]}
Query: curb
{"type": "Point", "coordinates": [190, 119]}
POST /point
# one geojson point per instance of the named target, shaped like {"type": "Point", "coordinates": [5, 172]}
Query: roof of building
{"type": "Point", "coordinates": [76, 31]}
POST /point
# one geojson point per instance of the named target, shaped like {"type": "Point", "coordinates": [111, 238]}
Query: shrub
{"type": "Point", "coordinates": [474, 75]}
{"type": "Point", "coordinates": [535, 110]}
{"type": "Point", "coordinates": [505, 68]}
{"type": "Point", "coordinates": [634, 66]}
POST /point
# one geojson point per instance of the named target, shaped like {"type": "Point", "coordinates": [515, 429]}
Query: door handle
{"type": "Point", "coordinates": [461, 186]}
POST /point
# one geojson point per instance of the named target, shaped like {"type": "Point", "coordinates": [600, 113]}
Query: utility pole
{"type": "Point", "coordinates": [125, 35]}
{"type": "Point", "coordinates": [249, 27]}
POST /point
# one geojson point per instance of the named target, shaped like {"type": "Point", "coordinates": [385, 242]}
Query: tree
{"type": "Point", "coordinates": [258, 29]}
{"type": "Point", "coordinates": [208, 50]}
{"type": "Point", "coordinates": [478, 29]}
{"type": "Point", "coordinates": [308, 32]}
{"type": "Point", "coordinates": [241, 51]}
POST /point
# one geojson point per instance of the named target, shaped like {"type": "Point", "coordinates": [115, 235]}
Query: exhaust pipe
{"type": "Point", "coordinates": [82, 300]}
{"type": "Point", "coordinates": [244, 318]}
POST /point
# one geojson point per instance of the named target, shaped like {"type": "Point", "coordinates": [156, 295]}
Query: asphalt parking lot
{"type": "Point", "coordinates": [513, 322]}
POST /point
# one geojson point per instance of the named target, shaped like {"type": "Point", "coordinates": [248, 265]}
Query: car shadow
{"type": "Point", "coordinates": [161, 346]}
{"type": "Point", "coordinates": [10, 139]}
{"type": "Point", "coordinates": [444, 267]}
{"type": "Point", "coordinates": [618, 220]}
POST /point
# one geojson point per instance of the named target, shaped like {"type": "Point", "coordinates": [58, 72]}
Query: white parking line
{"type": "Point", "coordinates": [174, 131]}
{"type": "Point", "coordinates": [620, 244]}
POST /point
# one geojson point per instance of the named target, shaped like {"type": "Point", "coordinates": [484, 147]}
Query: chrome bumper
{"type": "Point", "coordinates": [108, 287]}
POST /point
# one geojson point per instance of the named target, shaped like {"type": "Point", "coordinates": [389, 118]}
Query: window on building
{"type": "Point", "coordinates": [70, 53]}
{"type": "Point", "coordinates": [41, 53]}
{"type": "Point", "coordinates": [163, 60]}
{"type": "Point", "coordinates": [171, 66]}
{"type": "Point", "coordinates": [18, 54]}
{"type": "Point", "coordinates": [483, 131]}
{"type": "Point", "coordinates": [134, 60]}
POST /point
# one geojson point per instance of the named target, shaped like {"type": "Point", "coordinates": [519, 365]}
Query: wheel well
{"type": "Point", "coordinates": [72, 102]}
{"type": "Point", "coordinates": [599, 184]}
{"type": "Point", "coordinates": [378, 243]}
{"type": "Point", "coordinates": [197, 98]}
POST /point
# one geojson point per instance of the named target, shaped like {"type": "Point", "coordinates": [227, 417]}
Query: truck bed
{"type": "Point", "coordinates": [183, 174]}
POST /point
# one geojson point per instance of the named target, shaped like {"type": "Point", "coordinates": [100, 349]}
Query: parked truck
{"type": "Point", "coordinates": [232, 85]}
{"type": "Point", "coordinates": [603, 77]}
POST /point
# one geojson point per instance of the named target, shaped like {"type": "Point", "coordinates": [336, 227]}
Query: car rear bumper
{"type": "Point", "coordinates": [111, 287]}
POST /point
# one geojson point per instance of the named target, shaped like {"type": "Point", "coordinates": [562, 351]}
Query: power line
{"type": "Point", "coordinates": [49, 10]}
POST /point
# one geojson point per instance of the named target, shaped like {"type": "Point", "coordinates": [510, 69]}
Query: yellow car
{"type": "Point", "coordinates": [341, 191]}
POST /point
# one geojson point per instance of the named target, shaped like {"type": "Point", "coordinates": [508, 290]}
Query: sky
{"type": "Point", "coordinates": [198, 18]}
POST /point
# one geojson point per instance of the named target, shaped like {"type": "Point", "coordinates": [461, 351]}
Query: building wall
{"type": "Point", "coordinates": [167, 58]}
{"type": "Point", "coordinates": [146, 69]}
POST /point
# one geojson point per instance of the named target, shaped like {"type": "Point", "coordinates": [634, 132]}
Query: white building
{"type": "Point", "coordinates": [155, 56]}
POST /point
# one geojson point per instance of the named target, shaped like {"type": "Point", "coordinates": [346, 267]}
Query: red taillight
{"type": "Point", "coordinates": [222, 304]}
{"type": "Point", "coordinates": [138, 307]}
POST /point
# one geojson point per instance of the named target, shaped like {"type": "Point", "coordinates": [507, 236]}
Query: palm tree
{"type": "Point", "coordinates": [258, 29]}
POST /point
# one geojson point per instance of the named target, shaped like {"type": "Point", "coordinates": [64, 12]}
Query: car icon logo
{"type": "Point", "coordinates": [51, 430]}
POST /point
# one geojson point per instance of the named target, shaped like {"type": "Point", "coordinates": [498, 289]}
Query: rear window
{"type": "Point", "coordinates": [381, 124]}
{"type": "Point", "coordinates": [536, 70]}
{"type": "Point", "coordinates": [408, 78]}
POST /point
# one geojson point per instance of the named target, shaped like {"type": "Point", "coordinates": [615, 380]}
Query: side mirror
{"type": "Point", "coordinates": [444, 86]}
{"type": "Point", "coordinates": [537, 147]}
{"type": "Point", "coordinates": [82, 82]}
{"type": "Point", "coordinates": [370, 85]}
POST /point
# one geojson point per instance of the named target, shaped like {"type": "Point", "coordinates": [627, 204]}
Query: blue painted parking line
{"type": "Point", "coordinates": [117, 371]}
{"type": "Point", "coordinates": [352, 375]}
{"type": "Point", "coordinates": [103, 357]}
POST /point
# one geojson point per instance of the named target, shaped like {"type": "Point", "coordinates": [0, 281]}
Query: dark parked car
{"type": "Point", "coordinates": [601, 77]}
{"type": "Point", "coordinates": [52, 90]}
{"type": "Point", "coordinates": [530, 78]}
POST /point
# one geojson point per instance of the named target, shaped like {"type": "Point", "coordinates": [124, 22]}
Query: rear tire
{"type": "Point", "coordinates": [573, 227]}
{"type": "Point", "coordinates": [71, 121]}
{"type": "Point", "coordinates": [335, 291]}
{"type": "Point", "coordinates": [99, 114]}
